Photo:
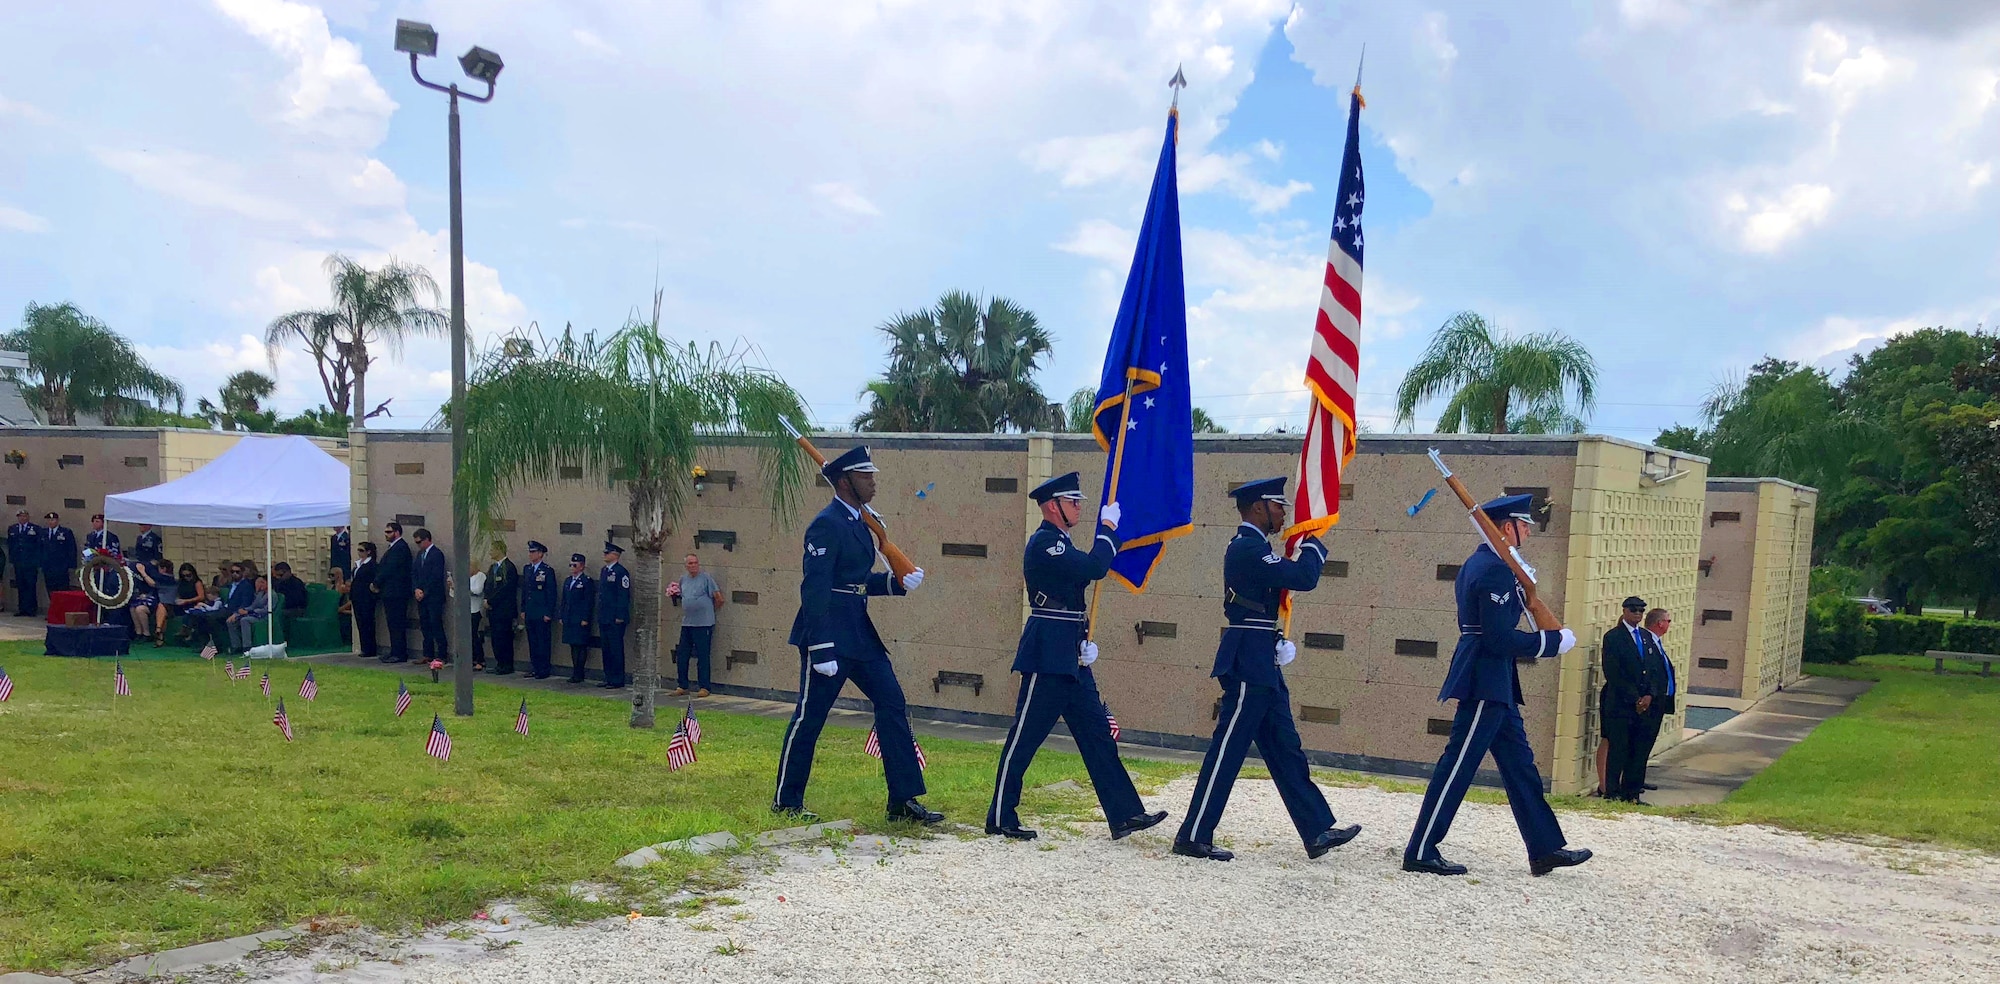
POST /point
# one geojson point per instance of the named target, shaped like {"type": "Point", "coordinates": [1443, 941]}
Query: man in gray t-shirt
{"type": "Point", "coordinates": [699, 597]}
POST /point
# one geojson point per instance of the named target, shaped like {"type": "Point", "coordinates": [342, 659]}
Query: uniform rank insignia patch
{"type": "Point", "coordinates": [1500, 599]}
{"type": "Point", "coordinates": [624, 582]}
{"type": "Point", "coordinates": [1057, 550]}
{"type": "Point", "coordinates": [1270, 558]}
{"type": "Point", "coordinates": [815, 551]}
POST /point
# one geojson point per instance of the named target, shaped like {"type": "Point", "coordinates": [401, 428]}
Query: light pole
{"type": "Point", "coordinates": [419, 40]}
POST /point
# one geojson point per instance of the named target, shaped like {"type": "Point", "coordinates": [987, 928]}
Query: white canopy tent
{"type": "Point", "coordinates": [263, 483]}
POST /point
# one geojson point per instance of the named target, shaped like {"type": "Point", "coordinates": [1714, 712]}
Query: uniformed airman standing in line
{"type": "Point", "coordinates": [578, 615]}
{"type": "Point", "coordinates": [1054, 660]}
{"type": "Point", "coordinates": [837, 642]}
{"type": "Point", "coordinates": [1256, 704]}
{"type": "Point", "coordinates": [1483, 680]}
{"type": "Point", "coordinates": [539, 602]}
{"type": "Point", "coordinates": [614, 612]}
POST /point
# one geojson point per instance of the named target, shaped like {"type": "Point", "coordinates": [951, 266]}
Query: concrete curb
{"type": "Point", "coordinates": [199, 955]}
{"type": "Point", "coordinates": [722, 840]}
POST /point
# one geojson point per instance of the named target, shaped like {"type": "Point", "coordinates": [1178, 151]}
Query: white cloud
{"type": "Point", "coordinates": [1771, 222]}
{"type": "Point", "coordinates": [1106, 242]}
{"type": "Point", "coordinates": [845, 198]}
{"type": "Point", "coordinates": [331, 93]}
{"type": "Point", "coordinates": [23, 111]}
{"type": "Point", "coordinates": [590, 40]}
{"type": "Point", "coordinates": [21, 221]}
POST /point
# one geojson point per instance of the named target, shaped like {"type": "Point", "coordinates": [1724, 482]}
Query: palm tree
{"type": "Point", "coordinates": [1077, 410]}
{"type": "Point", "coordinates": [1205, 424]}
{"type": "Point", "coordinates": [957, 368]}
{"type": "Point", "coordinates": [1537, 384]}
{"type": "Point", "coordinates": [77, 364]}
{"type": "Point", "coordinates": [240, 404]}
{"type": "Point", "coordinates": [372, 309]}
{"type": "Point", "coordinates": [636, 406]}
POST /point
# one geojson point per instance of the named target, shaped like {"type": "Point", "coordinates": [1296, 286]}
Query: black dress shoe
{"type": "Point", "coordinates": [1126, 828]}
{"type": "Point", "coordinates": [1636, 801]}
{"type": "Point", "coordinates": [1334, 837]}
{"type": "Point", "coordinates": [1434, 866]}
{"type": "Point", "coordinates": [911, 809]}
{"type": "Point", "coordinates": [1011, 833]}
{"type": "Point", "coordinates": [1649, 787]}
{"type": "Point", "coordinates": [604, 685]}
{"type": "Point", "coordinates": [1562, 858]}
{"type": "Point", "coordinates": [1190, 849]}
{"type": "Point", "coordinates": [798, 813]}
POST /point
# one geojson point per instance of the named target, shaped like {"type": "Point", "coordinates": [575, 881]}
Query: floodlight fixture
{"type": "Point", "coordinates": [416, 38]}
{"type": "Point", "coordinates": [481, 64]}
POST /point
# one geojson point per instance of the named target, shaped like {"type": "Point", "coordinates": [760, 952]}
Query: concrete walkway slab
{"type": "Point", "coordinates": [1715, 763]}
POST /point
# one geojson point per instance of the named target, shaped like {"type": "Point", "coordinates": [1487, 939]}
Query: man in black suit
{"type": "Point", "coordinates": [362, 599]}
{"type": "Point", "coordinates": [393, 584]}
{"type": "Point", "coordinates": [1637, 695]}
{"type": "Point", "coordinates": [433, 584]}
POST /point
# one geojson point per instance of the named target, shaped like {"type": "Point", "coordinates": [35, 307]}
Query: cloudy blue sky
{"type": "Point", "coordinates": [1684, 185]}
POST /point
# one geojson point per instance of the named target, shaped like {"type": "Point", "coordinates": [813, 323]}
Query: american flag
{"type": "Point", "coordinates": [309, 687]}
{"type": "Point", "coordinates": [680, 751]}
{"type": "Point", "coordinates": [229, 668]}
{"type": "Point", "coordinates": [1112, 720]}
{"type": "Point", "coordinates": [521, 718]}
{"type": "Point", "coordinates": [874, 748]}
{"type": "Point", "coordinates": [265, 683]}
{"type": "Point", "coordinates": [1335, 362]}
{"type": "Point", "coordinates": [402, 697]}
{"type": "Point", "coordinates": [208, 652]}
{"type": "Point", "coordinates": [121, 688]}
{"type": "Point", "coordinates": [242, 672]}
{"type": "Point", "coordinates": [439, 745]}
{"type": "Point", "coordinates": [284, 723]}
{"type": "Point", "coordinates": [6, 684]}
{"type": "Point", "coordinates": [693, 726]}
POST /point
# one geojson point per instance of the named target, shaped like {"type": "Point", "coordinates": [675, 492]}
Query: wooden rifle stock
{"type": "Point", "coordinates": [1539, 612]}
{"type": "Point", "coordinates": [899, 562]}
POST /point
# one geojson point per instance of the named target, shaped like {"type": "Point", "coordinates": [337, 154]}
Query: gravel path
{"type": "Point", "coordinates": [1664, 900]}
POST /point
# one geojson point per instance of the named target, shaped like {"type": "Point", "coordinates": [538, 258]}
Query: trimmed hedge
{"type": "Point", "coordinates": [1917, 633]}
{"type": "Point", "coordinates": [1968, 636]}
{"type": "Point", "coordinates": [1837, 630]}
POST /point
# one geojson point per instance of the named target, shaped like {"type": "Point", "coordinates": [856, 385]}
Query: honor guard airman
{"type": "Point", "coordinates": [24, 548]}
{"type": "Point", "coordinates": [614, 610]}
{"type": "Point", "coordinates": [59, 556]}
{"type": "Point", "coordinates": [1256, 704]}
{"type": "Point", "coordinates": [101, 539]}
{"type": "Point", "coordinates": [578, 616]}
{"type": "Point", "coordinates": [1054, 661]}
{"type": "Point", "coordinates": [539, 603]}
{"type": "Point", "coordinates": [1483, 680]}
{"type": "Point", "coordinates": [837, 642]}
{"type": "Point", "coordinates": [151, 547]}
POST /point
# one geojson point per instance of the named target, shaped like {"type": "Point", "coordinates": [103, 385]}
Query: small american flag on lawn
{"type": "Point", "coordinates": [6, 684]}
{"type": "Point", "coordinates": [874, 749]}
{"type": "Point", "coordinates": [208, 652]}
{"type": "Point", "coordinates": [120, 687]}
{"type": "Point", "coordinates": [1112, 720]}
{"type": "Point", "coordinates": [439, 745]}
{"type": "Point", "coordinates": [242, 672]}
{"type": "Point", "coordinates": [693, 726]}
{"type": "Point", "coordinates": [265, 683]}
{"type": "Point", "coordinates": [402, 697]}
{"type": "Point", "coordinates": [680, 751]}
{"type": "Point", "coordinates": [309, 687]}
{"type": "Point", "coordinates": [284, 723]}
{"type": "Point", "coordinates": [521, 718]}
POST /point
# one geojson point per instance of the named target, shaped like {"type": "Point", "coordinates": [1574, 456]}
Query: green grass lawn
{"type": "Point", "coordinates": [1917, 661]}
{"type": "Point", "coordinates": [179, 814]}
{"type": "Point", "coordinates": [1913, 758]}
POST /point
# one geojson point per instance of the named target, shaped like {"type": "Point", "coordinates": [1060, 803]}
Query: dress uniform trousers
{"type": "Point", "coordinates": [27, 600]}
{"type": "Point", "coordinates": [1264, 715]}
{"type": "Point", "coordinates": [540, 645]}
{"type": "Point", "coordinates": [1481, 726]}
{"type": "Point", "coordinates": [611, 637]}
{"type": "Point", "coordinates": [1044, 698]}
{"type": "Point", "coordinates": [876, 679]}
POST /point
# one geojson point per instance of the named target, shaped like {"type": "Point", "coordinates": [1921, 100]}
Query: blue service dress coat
{"type": "Point", "coordinates": [614, 596]}
{"type": "Point", "coordinates": [151, 546]}
{"type": "Point", "coordinates": [24, 548]}
{"type": "Point", "coordinates": [1058, 574]}
{"type": "Point", "coordinates": [1254, 577]}
{"type": "Point", "coordinates": [833, 622]}
{"type": "Point", "coordinates": [59, 555]}
{"type": "Point", "coordinates": [1490, 638]}
{"type": "Point", "coordinates": [101, 540]}
{"type": "Point", "coordinates": [539, 591]}
{"type": "Point", "coordinates": [579, 609]}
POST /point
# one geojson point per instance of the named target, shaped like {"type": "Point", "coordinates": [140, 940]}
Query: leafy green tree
{"type": "Point", "coordinates": [77, 364]}
{"type": "Point", "coordinates": [321, 421]}
{"type": "Point", "coordinates": [636, 407]}
{"type": "Point", "coordinates": [959, 367]}
{"type": "Point", "coordinates": [373, 313]}
{"type": "Point", "coordinates": [240, 404]}
{"type": "Point", "coordinates": [1545, 383]}
{"type": "Point", "coordinates": [1077, 411]}
{"type": "Point", "coordinates": [1204, 424]}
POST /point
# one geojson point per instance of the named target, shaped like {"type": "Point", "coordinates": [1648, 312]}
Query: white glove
{"type": "Point", "coordinates": [1568, 641]}
{"type": "Point", "coordinates": [1086, 653]}
{"type": "Point", "coordinates": [1110, 514]}
{"type": "Point", "coordinates": [1287, 651]}
{"type": "Point", "coordinates": [828, 668]}
{"type": "Point", "coordinates": [912, 579]}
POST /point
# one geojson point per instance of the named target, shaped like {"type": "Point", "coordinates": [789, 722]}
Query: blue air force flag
{"type": "Point", "coordinates": [1144, 414]}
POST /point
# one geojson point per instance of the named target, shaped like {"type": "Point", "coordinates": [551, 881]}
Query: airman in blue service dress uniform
{"type": "Point", "coordinates": [838, 643]}
{"type": "Point", "coordinates": [1484, 681]}
{"type": "Point", "coordinates": [539, 601]}
{"type": "Point", "coordinates": [59, 554]}
{"type": "Point", "coordinates": [24, 548]}
{"type": "Point", "coordinates": [578, 614]}
{"type": "Point", "coordinates": [614, 611]}
{"type": "Point", "coordinates": [1256, 704]}
{"type": "Point", "coordinates": [1054, 660]}
{"type": "Point", "coordinates": [151, 546]}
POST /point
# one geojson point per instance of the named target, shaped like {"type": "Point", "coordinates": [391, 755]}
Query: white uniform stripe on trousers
{"type": "Point", "coordinates": [785, 757]}
{"type": "Point", "coordinates": [1013, 740]}
{"type": "Point", "coordinates": [1221, 749]}
{"type": "Point", "coordinates": [1424, 842]}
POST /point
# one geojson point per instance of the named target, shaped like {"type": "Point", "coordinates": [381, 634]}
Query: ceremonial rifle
{"type": "Point", "coordinates": [1544, 619]}
{"type": "Point", "coordinates": [899, 562]}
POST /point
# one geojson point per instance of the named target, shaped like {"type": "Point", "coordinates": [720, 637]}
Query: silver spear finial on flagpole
{"type": "Point", "coordinates": [1177, 83]}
